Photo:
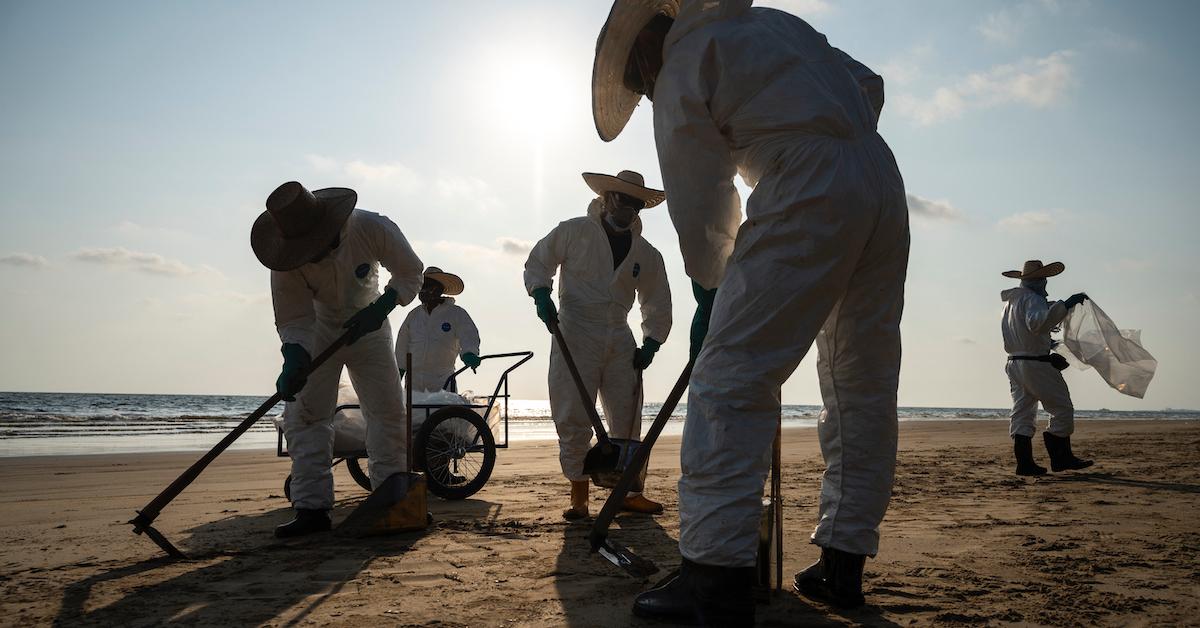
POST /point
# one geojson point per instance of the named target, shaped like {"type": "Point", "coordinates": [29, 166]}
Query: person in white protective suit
{"type": "Point", "coordinates": [605, 263]}
{"type": "Point", "coordinates": [324, 257]}
{"type": "Point", "coordinates": [437, 332]}
{"type": "Point", "coordinates": [821, 257]}
{"type": "Point", "coordinates": [1033, 371]}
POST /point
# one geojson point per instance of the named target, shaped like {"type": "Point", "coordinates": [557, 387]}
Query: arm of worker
{"type": "Point", "coordinates": [295, 316]}
{"type": "Point", "coordinates": [545, 258]}
{"type": "Point", "coordinates": [468, 339]}
{"type": "Point", "coordinates": [654, 298]}
{"type": "Point", "coordinates": [403, 342]}
{"type": "Point", "coordinates": [870, 82]}
{"type": "Point", "coordinates": [398, 257]}
{"type": "Point", "coordinates": [1041, 316]}
{"type": "Point", "coordinates": [697, 171]}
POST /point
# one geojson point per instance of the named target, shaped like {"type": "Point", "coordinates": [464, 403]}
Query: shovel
{"type": "Point", "coordinates": [604, 456]}
{"type": "Point", "coordinates": [399, 504]}
{"type": "Point", "coordinates": [612, 551]}
{"type": "Point", "coordinates": [627, 446]}
{"type": "Point", "coordinates": [143, 523]}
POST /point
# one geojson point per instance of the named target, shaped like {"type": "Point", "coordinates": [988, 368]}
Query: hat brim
{"type": "Point", "coordinates": [601, 183]}
{"type": "Point", "coordinates": [1049, 270]}
{"type": "Point", "coordinates": [612, 102]}
{"type": "Point", "coordinates": [279, 253]}
{"type": "Point", "coordinates": [451, 284]}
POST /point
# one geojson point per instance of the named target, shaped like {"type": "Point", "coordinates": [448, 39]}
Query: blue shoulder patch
{"type": "Point", "coordinates": [445, 326]}
{"type": "Point", "coordinates": [637, 268]}
{"type": "Point", "coordinates": [362, 271]}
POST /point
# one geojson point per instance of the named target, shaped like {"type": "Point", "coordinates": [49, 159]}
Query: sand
{"type": "Point", "coordinates": [965, 541]}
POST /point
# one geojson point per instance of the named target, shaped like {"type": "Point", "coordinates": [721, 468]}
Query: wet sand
{"type": "Point", "coordinates": [965, 541]}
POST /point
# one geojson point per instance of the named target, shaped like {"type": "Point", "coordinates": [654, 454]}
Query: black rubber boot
{"type": "Point", "coordinates": [1023, 450]}
{"type": "Point", "coordinates": [306, 522]}
{"type": "Point", "coordinates": [701, 595]}
{"type": "Point", "coordinates": [836, 578]}
{"type": "Point", "coordinates": [1061, 456]}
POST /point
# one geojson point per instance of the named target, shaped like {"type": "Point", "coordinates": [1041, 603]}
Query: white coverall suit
{"type": "Point", "coordinates": [594, 302]}
{"type": "Point", "coordinates": [435, 340]}
{"type": "Point", "coordinates": [311, 305]}
{"type": "Point", "coordinates": [1028, 320]}
{"type": "Point", "coordinates": [822, 257]}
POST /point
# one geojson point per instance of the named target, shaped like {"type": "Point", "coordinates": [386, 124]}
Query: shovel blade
{"type": "Point", "coordinates": [603, 457]}
{"type": "Point", "coordinates": [624, 558]}
{"type": "Point", "coordinates": [398, 505]}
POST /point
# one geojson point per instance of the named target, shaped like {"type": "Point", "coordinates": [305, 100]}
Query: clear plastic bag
{"type": "Point", "coordinates": [1091, 339]}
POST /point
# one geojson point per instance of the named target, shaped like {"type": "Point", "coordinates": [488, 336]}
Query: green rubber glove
{"type": "Point", "coordinates": [704, 305]}
{"type": "Point", "coordinates": [644, 355]}
{"type": "Point", "coordinates": [294, 374]}
{"type": "Point", "coordinates": [371, 317]}
{"type": "Point", "coordinates": [1075, 299]}
{"type": "Point", "coordinates": [545, 306]}
{"type": "Point", "coordinates": [471, 360]}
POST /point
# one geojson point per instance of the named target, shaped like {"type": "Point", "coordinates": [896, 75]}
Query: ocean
{"type": "Point", "coordinates": [33, 424]}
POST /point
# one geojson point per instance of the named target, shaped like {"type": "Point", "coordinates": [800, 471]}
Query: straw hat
{"type": "Point", "coordinates": [1035, 270]}
{"type": "Point", "coordinates": [451, 284]}
{"type": "Point", "coordinates": [612, 102]}
{"type": "Point", "coordinates": [626, 182]}
{"type": "Point", "coordinates": [298, 225]}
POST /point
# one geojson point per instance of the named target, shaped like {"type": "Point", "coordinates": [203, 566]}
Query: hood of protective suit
{"type": "Point", "coordinates": [596, 212]}
{"type": "Point", "coordinates": [1009, 294]}
{"type": "Point", "coordinates": [694, 14]}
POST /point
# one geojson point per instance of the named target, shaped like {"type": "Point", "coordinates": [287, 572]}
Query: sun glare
{"type": "Point", "coordinates": [529, 89]}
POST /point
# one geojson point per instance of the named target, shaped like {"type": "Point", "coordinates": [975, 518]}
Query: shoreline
{"type": "Point", "coordinates": [525, 431]}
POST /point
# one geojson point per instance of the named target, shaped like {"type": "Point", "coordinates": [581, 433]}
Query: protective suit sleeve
{"type": "Point", "coordinates": [654, 297]}
{"type": "Point", "coordinates": [697, 170]}
{"type": "Point", "coordinates": [1041, 316]}
{"type": "Point", "coordinates": [403, 339]}
{"type": "Point", "coordinates": [468, 333]}
{"type": "Point", "coordinates": [870, 82]}
{"type": "Point", "coordinates": [295, 316]}
{"type": "Point", "coordinates": [398, 257]}
{"type": "Point", "coordinates": [545, 258]}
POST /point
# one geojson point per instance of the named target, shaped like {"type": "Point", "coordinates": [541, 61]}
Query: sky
{"type": "Point", "coordinates": [139, 140]}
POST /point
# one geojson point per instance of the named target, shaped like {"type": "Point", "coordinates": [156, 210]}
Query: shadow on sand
{"type": "Point", "coordinates": [1109, 478]}
{"type": "Point", "coordinates": [245, 566]}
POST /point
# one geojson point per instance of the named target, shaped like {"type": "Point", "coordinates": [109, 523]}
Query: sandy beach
{"type": "Point", "coordinates": [965, 541]}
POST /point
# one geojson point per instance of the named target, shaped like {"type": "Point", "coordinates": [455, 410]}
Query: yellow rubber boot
{"type": "Point", "coordinates": [579, 501]}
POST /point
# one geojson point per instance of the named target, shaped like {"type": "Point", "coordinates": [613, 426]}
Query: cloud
{"type": "Point", "coordinates": [24, 260]}
{"type": "Point", "coordinates": [802, 8]}
{"type": "Point", "coordinates": [933, 210]}
{"type": "Point", "coordinates": [1037, 83]}
{"type": "Point", "coordinates": [149, 263]}
{"type": "Point", "coordinates": [1007, 25]}
{"type": "Point", "coordinates": [963, 340]}
{"type": "Point", "coordinates": [470, 191]}
{"type": "Point", "coordinates": [513, 246]}
{"type": "Point", "coordinates": [1025, 221]}
{"type": "Point", "coordinates": [398, 181]}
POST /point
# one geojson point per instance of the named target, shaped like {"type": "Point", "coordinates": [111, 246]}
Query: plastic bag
{"type": "Point", "coordinates": [1091, 339]}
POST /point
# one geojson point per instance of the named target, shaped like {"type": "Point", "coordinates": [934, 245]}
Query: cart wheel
{"type": "Point", "coordinates": [457, 451]}
{"type": "Point", "coordinates": [356, 472]}
{"type": "Point", "coordinates": [287, 487]}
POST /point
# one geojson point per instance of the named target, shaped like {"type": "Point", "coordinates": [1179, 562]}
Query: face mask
{"type": "Point", "coordinates": [609, 219]}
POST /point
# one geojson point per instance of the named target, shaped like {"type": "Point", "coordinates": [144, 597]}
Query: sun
{"type": "Point", "coordinates": [529, 90]}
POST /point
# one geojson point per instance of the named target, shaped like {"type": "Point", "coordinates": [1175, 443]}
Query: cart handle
{"type": "Point", "coordinates": [527, 355]}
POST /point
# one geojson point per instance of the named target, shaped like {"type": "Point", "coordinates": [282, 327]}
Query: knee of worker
{"type": "Point", "coordinates": [574, 435]}
{"type": "Point", "coordinates": [1062, 419]}
{"type": "Point", "coordinates": [310, 448]}
{"type": "Point", "coordinates": [729, 386]}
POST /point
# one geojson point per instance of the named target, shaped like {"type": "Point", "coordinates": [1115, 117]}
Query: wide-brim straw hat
{"type": "Point", "coordinates": [612, 102]}
{"type": "Point", "coordinates": [451, 284]}
{"type": "Point", "coordinates": [1035, 270]}
{"type": "Point", "coordinates": [298, 225]}
{"type": "Point", "coordinates": [626, 182]}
